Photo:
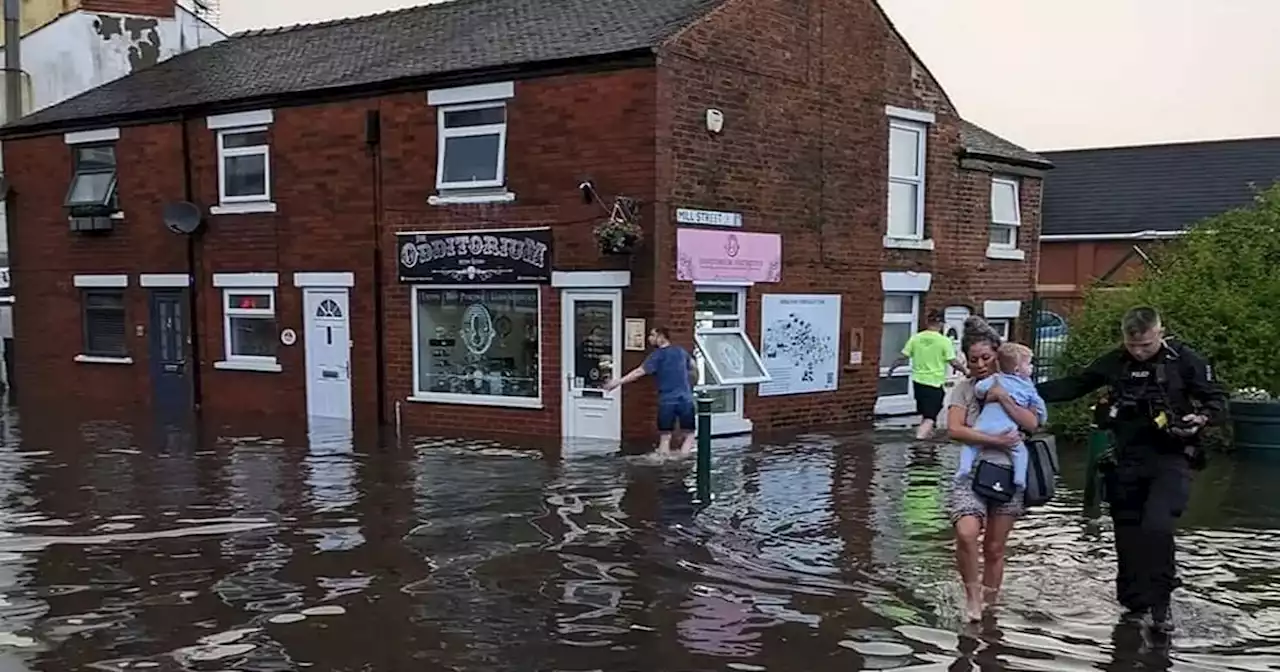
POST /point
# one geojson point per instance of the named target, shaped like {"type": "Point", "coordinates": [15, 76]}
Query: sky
{"type": "Point", "coordinates": [1047, 74]}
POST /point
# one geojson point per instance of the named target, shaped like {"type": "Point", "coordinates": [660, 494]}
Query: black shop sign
{"type": "Point", "coordinates": [476, 257]}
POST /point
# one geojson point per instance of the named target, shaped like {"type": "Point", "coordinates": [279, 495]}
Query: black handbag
{"type": "Point", "coordinates": [993, 482]}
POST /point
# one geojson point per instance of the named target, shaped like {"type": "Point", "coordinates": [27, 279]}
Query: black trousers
{"type": "Point", "coordinates": [1147, 493]}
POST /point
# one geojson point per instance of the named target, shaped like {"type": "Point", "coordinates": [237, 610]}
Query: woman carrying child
{"type": "Point", "coordinates": [982, 523]}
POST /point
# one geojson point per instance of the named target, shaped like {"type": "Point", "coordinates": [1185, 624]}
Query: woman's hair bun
{"type": "Point", "coordinates": [976, 330]}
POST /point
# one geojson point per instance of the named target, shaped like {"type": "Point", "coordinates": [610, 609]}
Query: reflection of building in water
{"type": "Point", "coordinates": [888, 488]}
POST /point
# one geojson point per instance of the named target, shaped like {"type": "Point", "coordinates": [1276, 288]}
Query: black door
{"type": "Point", "coordinates": [170, 374]}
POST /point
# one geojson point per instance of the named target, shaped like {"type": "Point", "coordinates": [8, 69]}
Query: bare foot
{"type": "Point", "coordinates": [973, 612]}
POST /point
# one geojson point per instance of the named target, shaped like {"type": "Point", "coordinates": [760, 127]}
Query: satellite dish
{"type": "Point", "coordinates": [182, 217]}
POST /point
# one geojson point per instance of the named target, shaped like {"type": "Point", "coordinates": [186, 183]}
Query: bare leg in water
{"type": "Point", "coordinates": [993, 547]}
{"type": "Point", "coordinates": [968, 531]}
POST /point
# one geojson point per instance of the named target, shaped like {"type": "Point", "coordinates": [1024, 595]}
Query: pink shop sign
{"type": "Point", "coordinates": [733, 256]}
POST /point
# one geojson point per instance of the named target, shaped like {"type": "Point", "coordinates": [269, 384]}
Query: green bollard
{"type": "Point", "coordinates": [1099, 442]}
{"type": "Point", "coordinates": [704, 451]}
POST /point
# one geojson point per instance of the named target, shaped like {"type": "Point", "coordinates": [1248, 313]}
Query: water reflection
{"type": "Point", "coordinates": [134, 545]}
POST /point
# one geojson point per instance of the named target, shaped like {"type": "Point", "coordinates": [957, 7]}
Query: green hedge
{"type": "Point", "coordinates": [1218, 289]}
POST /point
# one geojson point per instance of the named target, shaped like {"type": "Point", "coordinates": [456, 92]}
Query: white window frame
{"type": "Point", "coordinates": [249, 362]}
{"type": "Point", "coordinates": [232, 124]}
{"type": "Point", "coordinates": [918, 123]}
{"type": "Point", "coordinates": [225, 153]}
{"type": "Point", "coordinates": [901, 404]}
{"type": "Point", "coordinates": [1015, 224]}
{"type": "Point", "coordinates": [751, 350]}
{"type": "Point", "coordinates": [1003, 326]}
{"type": "Point", "coordinates": [724, 424]}
{"type": "Point", "coordinates": [443, 133]}
{"type": "Point", "coordinates": [473, 399]}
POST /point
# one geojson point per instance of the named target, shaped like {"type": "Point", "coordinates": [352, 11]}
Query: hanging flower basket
{"type": "Point", "coordinates": [619, 234]}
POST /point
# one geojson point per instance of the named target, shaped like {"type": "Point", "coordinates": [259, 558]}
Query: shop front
{"type": "Point", "coordinates": [723, 267]}
{"type": "Point", "coordinates": [476, 306]}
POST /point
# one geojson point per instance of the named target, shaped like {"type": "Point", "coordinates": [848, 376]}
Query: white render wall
{"type": "Point", "coordinates": [82, 50]}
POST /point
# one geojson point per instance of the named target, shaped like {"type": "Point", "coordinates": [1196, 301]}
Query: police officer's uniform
{"type": "Point", "coordinates": [1147, 482]}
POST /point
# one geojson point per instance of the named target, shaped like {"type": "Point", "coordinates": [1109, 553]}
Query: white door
{"type": "Point", "coordinates": [955, 317]}
{"type": "Point", "coordinates": [592, 347]}
{"type": "Point", "coordinates": [328, 341]}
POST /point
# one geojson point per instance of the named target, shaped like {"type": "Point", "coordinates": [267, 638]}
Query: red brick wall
{"type": "Point", "coordinates": [322, 177]}
{"type": "Point", "coordinates": [804, 153]}
{"type": "Point", "coordinates": [1069, 268]}
{"type": "Point", "coordinates": [141, 7]}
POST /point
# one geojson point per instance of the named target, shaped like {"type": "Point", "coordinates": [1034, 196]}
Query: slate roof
{"type": "Point", "coordinates": [1130, 190]}
{"type": "Point", "coordinates": [434, 39]}
{"type": "Point", "coordinates": [981, 143]}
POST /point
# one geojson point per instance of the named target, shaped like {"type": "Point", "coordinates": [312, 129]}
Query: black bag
{"type": "Point", "coordinates": [993, 482]}
{"type": "Point", "coordinates": [1042, 470]}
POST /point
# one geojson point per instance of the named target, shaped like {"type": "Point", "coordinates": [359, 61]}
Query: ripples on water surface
{"type": "Point", "coordinates": [124, 547]}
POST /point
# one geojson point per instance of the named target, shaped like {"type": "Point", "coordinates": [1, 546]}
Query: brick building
{"type": "Point", "coordinates": [397, 218]}
{"type": "Point", "coordinates": [1108, 207]}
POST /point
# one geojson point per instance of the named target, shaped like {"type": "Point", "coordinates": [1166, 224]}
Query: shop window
{"type": "Point", "coordinates": [104, 323]}
{"type": "Point", "coordinates": [244, 165]}
{"type": "Point", "coordinates": [93, 186]}
{"type": "Point", "coordinates": [477, 345]}
{"type": "Point", "coordinates": [249, 317]}
{"type": "Point", "coordinates": [720, 308]}
{"type": "Point", "coordinates": [901, 320]}
{"type": "Point", "coordinates": [725, 355]}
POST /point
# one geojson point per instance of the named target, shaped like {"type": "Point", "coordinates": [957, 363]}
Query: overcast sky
{"type": "Point", "coordinates": [1048, 74]}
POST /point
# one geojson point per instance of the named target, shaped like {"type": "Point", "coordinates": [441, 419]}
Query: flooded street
{"type": "Point", "coordinates": [127, 547]}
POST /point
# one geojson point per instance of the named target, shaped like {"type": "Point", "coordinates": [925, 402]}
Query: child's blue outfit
{"type": "Point", "coordinates": [994, 420]}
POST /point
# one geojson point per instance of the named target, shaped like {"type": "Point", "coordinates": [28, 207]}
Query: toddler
{"type": "Point", "coordinates": [1014, 360]}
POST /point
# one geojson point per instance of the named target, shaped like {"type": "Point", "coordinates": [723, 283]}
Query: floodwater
{"type": "Point", "coordinates": [127, 547]}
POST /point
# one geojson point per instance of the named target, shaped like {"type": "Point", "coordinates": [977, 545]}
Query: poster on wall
{"type": "Point", "coordinates": [800, 343]}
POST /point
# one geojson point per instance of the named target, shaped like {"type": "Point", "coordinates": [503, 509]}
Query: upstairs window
{"type": "Point", "coordinates": [907, 151]}
{"type": "Point", "coordinates": [1006, 216]}
{"type": "Point", "coordinates": [244, 161]}
{"type": "Point", "coordinates": [473, 141]}
{"type": "Point", "coordinates": [93, 182]}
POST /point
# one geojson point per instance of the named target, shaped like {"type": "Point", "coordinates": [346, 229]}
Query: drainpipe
{"type": "Point", "coordinates": [193, 271]}
{"type": "Point", "coordinates": [13, 110]}
{"type": "Point", "coordinates": [12, 60]}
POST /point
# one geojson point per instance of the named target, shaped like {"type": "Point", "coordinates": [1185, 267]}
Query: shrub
{"type": "Point", "coordinates": [1218, 290]}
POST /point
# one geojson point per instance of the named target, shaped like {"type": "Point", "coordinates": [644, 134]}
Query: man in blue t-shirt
{"type": "Point", "coordinates": [672, 369]}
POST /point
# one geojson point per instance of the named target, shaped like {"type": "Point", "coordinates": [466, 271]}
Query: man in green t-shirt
{"type": "Point", "coordinates": [930, 353]}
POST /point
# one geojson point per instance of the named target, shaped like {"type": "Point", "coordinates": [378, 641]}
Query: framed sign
{"type": "Point", "coordinates": [485, 256]}
{"type": "Point", "coordinates": [634, 334]}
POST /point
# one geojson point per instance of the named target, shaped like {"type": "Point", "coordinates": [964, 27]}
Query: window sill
{"type": "Point", "coordinates": [891, 406]}
{"type": "Point", "coordinates": [117, 215]}
{"type": "Point", "coordinates": [469, 197]}
{"type": "Point", "coordinates": [730, 425]}
{"type": "Point", "coordinates": [477, 400]}
{"type": "Point", "coordinates": [246, 365]}
{"type": "Point", "coordinates": [1006, 253]}
{"type": "Point", "coordinates": [908, 244]}
{"type": "Point", "coordinates": [246, 208]}
{"type": "Point", "coordinates": [97, 359]}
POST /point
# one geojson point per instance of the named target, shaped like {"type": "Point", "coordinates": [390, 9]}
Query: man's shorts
{"type": "Point", "coordinates": [671, 412]}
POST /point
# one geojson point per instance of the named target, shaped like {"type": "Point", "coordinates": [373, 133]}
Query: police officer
{"type": "Point", "coordinates": [1161, 394]}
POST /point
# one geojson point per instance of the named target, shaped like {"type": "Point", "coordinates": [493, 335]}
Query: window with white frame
{"type": "Point", "coordinates": [104, 323]}
{"type": "Point", "coordinates": [1002, 326]}
{"type": "Point", "coordinates": [244, 165]}
{"type": "Point", "coordinates": [908, 142]}
{"type": "Point", "coordinates": [1006, 215]}
{"type": "Point", "coordinates": [477, 345]}
{"type": "Point", "coordinates": [725, 356]}
{"type": "Point", "coordinates": [901, 320]}
{"type": "Point", "coordinates": [472, 142]}
{"type": "Point", "coordinates": [719, 308]}
{"type": "Point", "coordinates": [249, 324]}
